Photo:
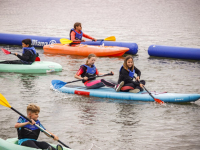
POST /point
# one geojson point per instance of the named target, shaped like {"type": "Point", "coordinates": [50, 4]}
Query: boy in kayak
{"type": "Point", "coordinates": [76, 35]}
{"type": "Point", "coordinates": [28, 133]}
{"type": "Point", "coordinates": [28, 54]}
{"type": "Point", "coordinates": [126, 74]}
{"type": "Point", "coordinates": [88, 73]}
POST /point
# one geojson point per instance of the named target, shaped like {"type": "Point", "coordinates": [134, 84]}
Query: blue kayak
{"type": "Point", "coordinates": [106, 92]}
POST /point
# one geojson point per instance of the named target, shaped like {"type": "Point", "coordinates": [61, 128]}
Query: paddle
{"type": "Point", "coordinates": [5, 103]}
{"type": "Point", "coordinates": [67, 41]}
{"type": "Point", "coordinates": [58, 83]}
{"type": "Point", "coordinates": [157, 100]}
{"type": "Point", "coordinates": [7, 52]}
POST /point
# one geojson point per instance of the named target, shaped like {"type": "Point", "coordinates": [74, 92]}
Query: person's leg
{"type": "Point", "coordinates": [127, 87]}
{"type": "Point", "coordinates": [95, 84]}
{"type": "Point", "coordinates": [107, 83]}
{"type": "Point", "coordinates": [11, 62]}
{"type": "Point", "coordinates": [112, 85]}
{"type": "Point", "coordinates": [30, 143]}
{"type": "Point", "coordinates": [44, 145]}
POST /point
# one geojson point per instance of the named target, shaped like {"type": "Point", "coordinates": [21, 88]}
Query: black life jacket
{"type": "Point", "coordinates": [28, 131]}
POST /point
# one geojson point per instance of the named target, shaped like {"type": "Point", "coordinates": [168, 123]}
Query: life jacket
{"type": "Point", "coordinates": [34, 54]}
{"type": "Point", "coordinates": [90, 72]}
{"type": "Point", "coordinates": [28, 131]}
{"type": "Point", "coordinates": [78, 36]}
{"type": "Point", "coordinates": [131, 73]}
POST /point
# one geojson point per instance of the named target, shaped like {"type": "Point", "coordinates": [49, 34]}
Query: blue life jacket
{"type": "Point", "coordinates": [78, 36]}
{"type": "Point", "coordinates": [90, 72]}
{"type": "Point", "coordinates": [131, 73]}
{"type": "Point", "coordinates": [28, 131]}
{"type": "Point", "coordinates": [33, 56]}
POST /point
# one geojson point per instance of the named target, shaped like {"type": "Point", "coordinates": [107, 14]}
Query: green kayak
{"type": "Point", "coordinates": [36, 67]}
{"type": "Point", "coordinates": [11, 144]}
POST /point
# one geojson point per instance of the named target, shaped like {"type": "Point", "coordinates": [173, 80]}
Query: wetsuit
{"type": "Point", "coordinates": [91, 83]}
{"type": "Point", "coordinates": [127, 77]}
{"type": "Point", "coordinates": [28, 135]}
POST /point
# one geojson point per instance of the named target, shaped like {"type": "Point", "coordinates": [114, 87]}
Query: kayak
{"type": "Point", "coordinates": [85, 50]}
{"type": "Point", "coordinates": [11, 144]}
{"type": "Point", "coordinates": [106, 92]}
{"type": "Point", "coordinates": [36, 67]}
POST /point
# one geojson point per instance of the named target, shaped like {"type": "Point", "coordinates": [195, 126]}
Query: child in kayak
{"type": "Point", "coordinates": [126, 74]}
{"type": "Point", "coordinates": [88, 73]}
{"type": "Point", "coordinates": [28, 133]}
{"type": "Point", "coordinates": [28, 54]}
{"type": "Point", "coordinates": [76, 35]}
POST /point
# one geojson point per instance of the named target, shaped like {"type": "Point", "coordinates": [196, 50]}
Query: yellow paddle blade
{"type": "Point", "coordinates": [65, 41]}
{"type": "Point", "coordinates": [3, 101]}
{"type": "Point", "coordinates": [111, 38]}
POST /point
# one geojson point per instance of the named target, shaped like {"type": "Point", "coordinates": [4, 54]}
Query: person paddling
{"type": "Point", "coordinates": [88, 73]}
{"type": "Point", "coordinates": [28, 133]}
{"type": "Point", "coordinates": [28, 54]}
{"type": "Point", "coordinates": [126, 74]}
{"type": "Point", "coordinates": [76, 35]}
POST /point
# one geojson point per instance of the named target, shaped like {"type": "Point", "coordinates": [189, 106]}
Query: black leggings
{"type": "Point", "coordinates": [11, 62]}
{"type": "Point", "coordinates": [37, 144]}
{"type": "Point", "coordinates": [95, 84]}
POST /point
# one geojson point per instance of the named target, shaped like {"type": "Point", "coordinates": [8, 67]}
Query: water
{"type": "Point", "coordinates": [88, 123]}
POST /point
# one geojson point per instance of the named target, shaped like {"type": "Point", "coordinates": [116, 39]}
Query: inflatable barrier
{"type": "Point", "coordinates": [40, 41]}
{"type": "Point", "coordinates": [174, 52]}
{"type": "Point", "coordinates": [16, 39]}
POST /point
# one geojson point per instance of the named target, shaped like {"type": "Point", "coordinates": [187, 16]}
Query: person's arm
{"type": "Point", "coordinates": [137, 71]}
{"type": "Point", "coordinates": [79, 72]}
{"type": "Point", "coordinates": [55, 137]}
{"type": "Point", "coordinates": [73, 34]}
{"type": "Point", "coordinates": [89, 37]}
{"type": "Point", "coordinates": [19, 125]}
{"type": "Point", "coordinates": [25, 56]}
{"type": "Point", "coordinates": [97, 73]}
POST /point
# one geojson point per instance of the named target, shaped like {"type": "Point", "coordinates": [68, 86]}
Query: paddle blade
{"type": "Point", "coordinates": [5, 51]}
{"type": "Point", "coordinates": [65, 41]}
{"type": "Point", "coordinates": [3, 101]}
{"type": "Point", "coordinates": [111, 38]}
{"type": "Point", "coordinates": [159, 101]}
{"type": "Point", "coordinates": [37, 59]}
{"type": "Point", "coordinates": [57, 84]}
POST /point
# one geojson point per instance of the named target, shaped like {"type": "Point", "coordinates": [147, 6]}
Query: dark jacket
{"type": "Point", "coordinates": [124, 76]}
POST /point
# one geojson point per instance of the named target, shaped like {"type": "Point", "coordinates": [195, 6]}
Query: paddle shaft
{"type": "Point", "coordinates": [38, 126]}
{"type": "Point", "coordinates": [89, 78]}
{"type": "Point", "coordinates": [149, 93]}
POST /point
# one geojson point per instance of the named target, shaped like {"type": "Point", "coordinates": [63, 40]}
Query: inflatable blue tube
{"type": "Point", "coordinates": [133, 47]}
{"type": "Point", "coordinates": [40, 41]}
{"type": "Point", "coordinates": [174, 52]}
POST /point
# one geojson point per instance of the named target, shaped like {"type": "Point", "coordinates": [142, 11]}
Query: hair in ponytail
{"type": "Point", "coordinates": [90, 56]}
{"type": "Point", "coordinates": [125, 62]}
